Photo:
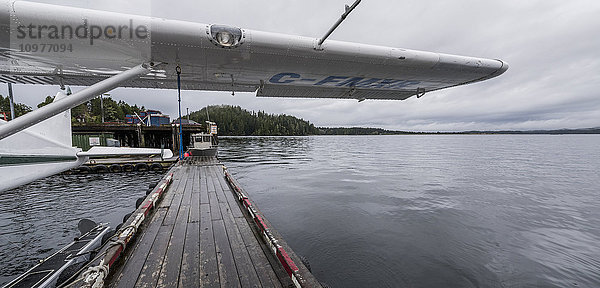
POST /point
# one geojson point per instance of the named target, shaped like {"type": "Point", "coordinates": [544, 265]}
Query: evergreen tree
{"type": "Point", "coordinates": [233, 120]}
{"type": "Point", "coordinates": [20, 108]}
{"type": "Point", "coordinates": [47, 101]}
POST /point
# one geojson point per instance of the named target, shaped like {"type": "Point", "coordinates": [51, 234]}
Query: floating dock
{"type": "Point", "coordinates": [198, 228]}
{"type": "Point", "coordinates": [116, 165]}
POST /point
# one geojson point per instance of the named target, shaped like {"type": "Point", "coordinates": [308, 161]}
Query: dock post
{"type": "Point", "coordinates": [175, 145]}
{"type": "Point", "coordinates": [138, 131]}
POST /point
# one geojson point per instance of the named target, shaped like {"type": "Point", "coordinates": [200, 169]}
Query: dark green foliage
{"type": "Point", "coordinates": [20, 108]}
{"type": "Point", "coordinates": [91, 111]}
{"type": "Point", "coordinates": [379, 131]}
{"type": "Point", "coordinates": [47, 101]}
{"type": "Point", "coordinates": [360, 131]}
{"type": "Point", "coordinates": [233, 120]}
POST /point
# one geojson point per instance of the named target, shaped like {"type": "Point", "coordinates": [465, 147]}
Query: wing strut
{"type": "Point", "coordinates": [347, 11]}
{"type": "Point", "coordinates": [82, 96]}
{"type": "Point", "coordinates": [12, 101]}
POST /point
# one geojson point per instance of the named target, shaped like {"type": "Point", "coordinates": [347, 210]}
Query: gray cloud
{"type": "Point", "coordinates": [551, 46]}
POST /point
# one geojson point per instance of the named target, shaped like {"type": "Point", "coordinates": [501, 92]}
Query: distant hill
{"type": "Point", "coordinates": [361, 131]}
{"type": "Point", "coordinates": [235, 121]}
{"type": "Point", "coordinates": [379, 131]}
{"type": "Point", "coordinates": [595, 130]}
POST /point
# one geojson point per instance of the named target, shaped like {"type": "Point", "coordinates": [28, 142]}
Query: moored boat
{"type": "Point", "coordinates": [204, 144]}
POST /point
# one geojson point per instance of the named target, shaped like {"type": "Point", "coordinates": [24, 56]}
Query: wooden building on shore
{"type": "Point", "coordinates": [136, 135]}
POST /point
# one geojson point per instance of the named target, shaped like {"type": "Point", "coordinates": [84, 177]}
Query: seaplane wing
{"type": "Point", "coordinates": [55, 45]}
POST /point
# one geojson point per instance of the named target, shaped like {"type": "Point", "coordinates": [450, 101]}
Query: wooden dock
{"type": "Point", "coordinates": [199, 229]}
{"type": "Point", "coordinates": [129, 164]}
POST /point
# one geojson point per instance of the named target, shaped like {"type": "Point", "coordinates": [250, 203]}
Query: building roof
{"type": "Point", "coordinates": [185, 122]}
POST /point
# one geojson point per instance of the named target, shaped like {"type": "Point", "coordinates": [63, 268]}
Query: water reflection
{"type": "Point", "coordinates": [264, 150]}
{"type": "Point", "coordinates": [378, 211]}
{"type": "Point", "coordinates": [431, 211]}
{"type": "Point", "coordinates": [39, 218]}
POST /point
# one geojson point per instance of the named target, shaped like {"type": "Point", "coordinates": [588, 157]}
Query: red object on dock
{"type": "Point", "coordinates": [286, 261]}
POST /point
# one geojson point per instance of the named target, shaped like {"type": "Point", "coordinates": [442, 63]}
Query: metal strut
{"type": "Point", "coordinates": [178, 70]}
{"type": "Point", "coordinates": [347, 11]}
{"type": "Point", "coordinates": [80, 97]}
{"type": "Point", "coordinates": [12, 101]}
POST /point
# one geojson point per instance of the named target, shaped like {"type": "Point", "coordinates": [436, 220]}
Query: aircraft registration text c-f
{"type": "Point", "coordinates": [344, 81]}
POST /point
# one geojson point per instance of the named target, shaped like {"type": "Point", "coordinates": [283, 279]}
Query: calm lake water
{"type": "Point", "coordinates": [39, 218]}
{"type": "Point", "coordinates": [376, 211]}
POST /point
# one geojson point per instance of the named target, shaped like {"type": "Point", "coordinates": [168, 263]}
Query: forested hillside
{"type": "Point", "coordinates": [235, 121]}
{"type": "Point", "coordinates": [91, 111]}
{"type": "Point", "coordinates": [360, 131]}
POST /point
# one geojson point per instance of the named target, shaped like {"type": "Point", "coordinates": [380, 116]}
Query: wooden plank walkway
{"type": "Point", "coordinates": [199, 236]}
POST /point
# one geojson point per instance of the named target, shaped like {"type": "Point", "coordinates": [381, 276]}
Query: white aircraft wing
{"type": "Point", "coordinates": [47, 44]}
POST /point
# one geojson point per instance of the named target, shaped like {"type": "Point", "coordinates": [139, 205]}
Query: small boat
{"type": "Point", "coordinates": [60, 266]}
{"type": "Point", "coordinates": [205, 144]}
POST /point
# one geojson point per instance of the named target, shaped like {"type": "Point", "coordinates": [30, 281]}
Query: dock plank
{"type": "Point", "coordinates": [150, 272]}
{"type": "Point", "coordinates": [227, 271]}
{"type": "Point", "coordinates": [128, 275]}
{"type": "Point", "coordinates": [245, 268]}
{"type": "Point", "coordinates": [209, 270]}
{"type": "Point", "coordinates": [168, 197]}
{"type": "Point", "coordinates": [261, 263]}
{"type": "Point", "coordinates": [195, 197]}
{"type": "Point", "coordinates": [169, 274]}
{"type": "Point", "coordinates": [229, 196]}
{"type": "Point", "coordinates": [246, 237]}
{"type": "Point", "coordinates": [199, 236]}
{"type": "Point", "coordinates": [203, 186]}
{"type": "Point", "coordinates": [213, 200]}
{"type": "Point", "coordinates": [152, 267]}
{"type": "Point", "coordinates": [189, 275]}
{"type": "Point", "coordinates": [176, 202]}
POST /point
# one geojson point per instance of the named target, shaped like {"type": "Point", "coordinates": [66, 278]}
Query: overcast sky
{"type": "Point", "coordinates": [552, 47]}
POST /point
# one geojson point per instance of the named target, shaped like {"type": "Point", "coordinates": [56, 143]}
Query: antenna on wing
{"type": "Point", "coordinates": [347, 11]}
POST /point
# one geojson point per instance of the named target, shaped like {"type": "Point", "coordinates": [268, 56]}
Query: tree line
{"type": "Point", "coordinates": [231, 120]}
{"type": "Point", "coordinates": [20, 108]}
{"type": "Point", "coordinates": [235, 121]}
{"type": "Point", "coordinates": [360, 131]}
{"type": "Point", "coordinates": [91, 111]}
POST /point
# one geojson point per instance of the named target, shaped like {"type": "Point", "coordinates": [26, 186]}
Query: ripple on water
{"type": "Point", "coordinates": [568, 256]}
{"type": "Point", "coordinates": [41, 217]}
{"type": "Point", "coordinates": [431, 211]}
